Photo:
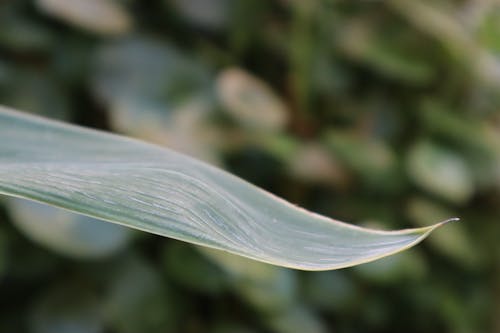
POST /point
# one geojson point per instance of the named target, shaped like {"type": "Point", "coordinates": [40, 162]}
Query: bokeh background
{"type": "Point", "coordinates": [383, 113]}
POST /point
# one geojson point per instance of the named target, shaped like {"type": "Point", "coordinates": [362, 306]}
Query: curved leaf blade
{"type": "Point", "coordinates": [160, 191]}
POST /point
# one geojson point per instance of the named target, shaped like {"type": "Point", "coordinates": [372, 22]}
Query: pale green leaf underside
{"type": "Point", "coordinates": [154, 189]}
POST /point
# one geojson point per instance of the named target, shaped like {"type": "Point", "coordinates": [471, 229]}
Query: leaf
{"type": "Point", "coordinates": [98, 16]}
{"type": "Point", "coordinates": [157, 190]}
{"type": "Point", "coordinates": [67, 233]}
{"type": "Point", "coordinates": [68, 307]}
{"type": "Point", "coordinates": [295, 320]}
{"type": "Point", "coordinates": [440, 171]}
{"type": "Point", "coordinates": [136, 284]}
{"type": "Point", "coordinates": [250, 101]}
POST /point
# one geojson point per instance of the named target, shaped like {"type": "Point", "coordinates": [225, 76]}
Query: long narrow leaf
{"type": "Point", "coordinates": [154, 189]}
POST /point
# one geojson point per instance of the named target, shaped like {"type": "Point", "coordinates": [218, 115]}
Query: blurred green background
{"type": "Point", "coordinates": [381, 113]}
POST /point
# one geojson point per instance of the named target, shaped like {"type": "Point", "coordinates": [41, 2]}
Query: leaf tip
{"type": "Point", "coordinates": [442, 223]}
{"type": "Point", "coordinates": [452, 219]}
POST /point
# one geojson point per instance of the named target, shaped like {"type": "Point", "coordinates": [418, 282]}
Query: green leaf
{"type": "Point", "coordinates": [440, 171]}
{"type": "Point", "coordinates": [67, 307]}
{"type": "Point", "coordinates": [69, 234]}
{"type": "Point", "coordinates": [154, 189]}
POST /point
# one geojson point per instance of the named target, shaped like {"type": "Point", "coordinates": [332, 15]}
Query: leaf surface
{"type": "Point", "coordinates": [160, 191]}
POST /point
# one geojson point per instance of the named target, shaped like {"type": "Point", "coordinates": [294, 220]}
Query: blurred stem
{"type": "Point", "coordinates": [435, 22]}
{"type": "Point", "coordinates": [496, 311]}
{"type": "Point", "coordinates": [301, 51]}
{"type": "Point", "coordinates": [496, 291]}
{"type": "Point", "coordinates": [246, 15]}
{"type": "Point", "coordinates": [445, 28]}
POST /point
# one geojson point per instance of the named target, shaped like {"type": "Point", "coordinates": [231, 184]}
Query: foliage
{"type": "Point", "coordinates": [380, 112]}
